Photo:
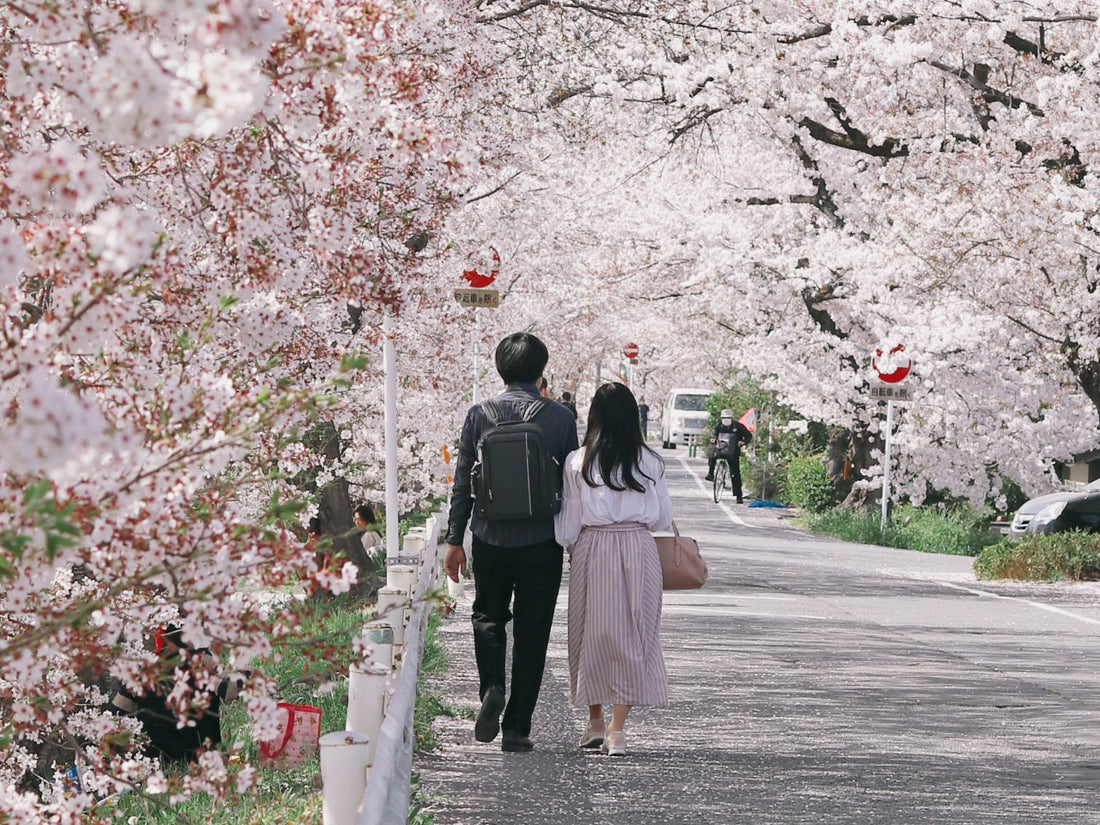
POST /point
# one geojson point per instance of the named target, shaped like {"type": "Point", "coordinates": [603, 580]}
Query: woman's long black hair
{"type": "Point", "coordinates": [614, 439]}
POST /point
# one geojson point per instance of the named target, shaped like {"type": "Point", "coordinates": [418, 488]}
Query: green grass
{"type": "Point", "coordinates": [1073, 556]}
{"type": "Point", "coordinates": [293, 795]}
{"type": "Point", "coordinates": [960, 532]}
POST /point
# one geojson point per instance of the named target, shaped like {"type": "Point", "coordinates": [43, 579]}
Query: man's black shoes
{"type": "Point", "coordinates": [514, 743]}
{"type": "Point", "coordinates": [487, 725]}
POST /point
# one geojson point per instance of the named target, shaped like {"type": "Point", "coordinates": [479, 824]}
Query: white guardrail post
{"type": "Point", "coordinates": [385, 800]}
{"type": "Point", "coordinates": [344, 771]}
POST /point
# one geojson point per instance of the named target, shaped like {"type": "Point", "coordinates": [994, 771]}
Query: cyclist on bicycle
{"type": "Point", "coordinates": [729, 436]}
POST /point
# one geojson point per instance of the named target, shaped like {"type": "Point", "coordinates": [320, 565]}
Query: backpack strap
{"type": "Point", "coordinates": [494, 414]}
{"type": "Point", "coordinates": [536, 407]}
{"type": "Point", "coordinates": [491, 410]}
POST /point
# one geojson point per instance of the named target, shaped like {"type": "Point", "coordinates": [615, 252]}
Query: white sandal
{"type": "Point", "coordinates": [592, 738]}
{"type": "Point", "coordinates": [614, 743]}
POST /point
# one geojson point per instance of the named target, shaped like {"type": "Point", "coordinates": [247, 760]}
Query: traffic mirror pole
{"type": "Point", "coordinates": [886, 465]}
{"type": "Point", "coordinates": [477, 349]}
{"type": "Point", "coordinates": [892, 367]}
{"type": "Point", "coordinates": [389, 361]}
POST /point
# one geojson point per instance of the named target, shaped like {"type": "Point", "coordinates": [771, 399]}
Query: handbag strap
{"type": "Point", "coordinates": [678, 552]}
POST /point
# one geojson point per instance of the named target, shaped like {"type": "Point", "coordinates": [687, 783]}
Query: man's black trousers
{"type": "Point", "coordinates": [521, 584]}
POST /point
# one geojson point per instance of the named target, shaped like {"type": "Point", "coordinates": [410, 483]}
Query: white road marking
{"type": "Point", "coordinates": [709, 493]}
{"type": "Point", "coordinates": [1048, 607]}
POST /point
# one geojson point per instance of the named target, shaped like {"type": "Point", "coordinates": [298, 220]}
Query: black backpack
{"type": "Point", "coordinates": [515, 475]}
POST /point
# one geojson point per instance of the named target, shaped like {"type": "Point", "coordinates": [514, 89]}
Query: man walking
{"type": "Point", "coordinates": [517, 563]}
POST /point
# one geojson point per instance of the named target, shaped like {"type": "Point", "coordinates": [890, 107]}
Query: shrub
{"type": "Point", "coordinates": [1073, 556]}
{"type": "Point", "coordinates": [808, 485]}
{"type": "Point", "coordinates": [951, 532]}
{"type": "Point", "coordinates": [765, 479]}
{"type": "Point", "coordinates": [958, 532]}
{"type": "Point", "coordinates": [859, 526]}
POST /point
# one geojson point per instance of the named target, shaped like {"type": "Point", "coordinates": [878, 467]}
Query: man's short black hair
{"type": "Point", "coordinates": [521, 358]}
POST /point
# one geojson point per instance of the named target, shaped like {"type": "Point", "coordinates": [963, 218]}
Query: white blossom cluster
{"type": "Point", "coordinates": [783, 189]}
{"type": "Point", "coordinates": [208, 208]}
{"type": "Point", "coordinates": [192, 195]}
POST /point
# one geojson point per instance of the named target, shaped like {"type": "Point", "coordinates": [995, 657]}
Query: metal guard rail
{"type": "Point", "coordinates": [386, 797]}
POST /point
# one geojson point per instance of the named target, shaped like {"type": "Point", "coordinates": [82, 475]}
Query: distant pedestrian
{"type": "Point", "coordinates": [567, 401]}
{"type": "Point", "coordinates": [643, 414]}
{"type": "Point", "coordinates": [517, 563]}
{"type": "Point", "coordinates": [614, 493]}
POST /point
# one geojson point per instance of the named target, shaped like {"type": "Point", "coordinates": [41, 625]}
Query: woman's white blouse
{"type": "Point", "coordinates": [583, 506]}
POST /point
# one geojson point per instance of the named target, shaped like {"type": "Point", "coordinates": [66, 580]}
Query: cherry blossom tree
{"type": "Point", "coordinates": [825, 181]}
{"type": "Point", "coordinates": [205, 209]}
{"type": "Point", "coordinates": [208, 208]}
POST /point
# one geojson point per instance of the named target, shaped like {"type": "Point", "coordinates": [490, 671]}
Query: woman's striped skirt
{"type": "Point", "coordinates": [615, 618]}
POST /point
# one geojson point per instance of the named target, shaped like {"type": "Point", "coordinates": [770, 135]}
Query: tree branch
{"type": "Point", "coordinates": [504, 15]}
{"type": "Point", "coordinates": [977, 82]}
{"type": "Point", "coordinates": [853, 139]}
{"type": "Point", "coordinates": [696, 118]}
{"type": "Point", "coordinates": [492, 191]}
{"type": "Point", "coordinates": [826, 29]}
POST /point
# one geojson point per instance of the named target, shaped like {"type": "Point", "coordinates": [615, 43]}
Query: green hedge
{"type": "Point", "coordinates": [808, 485]}
{"type": "Point", "coordinates": [1073, 556]}
{"type": "Point", "coordinates": [952, 532]}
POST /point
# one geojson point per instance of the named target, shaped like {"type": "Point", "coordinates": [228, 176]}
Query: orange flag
{"type": "Point", "coordinates": [749, 419]}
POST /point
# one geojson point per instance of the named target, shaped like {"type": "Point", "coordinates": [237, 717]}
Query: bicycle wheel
{"type": "Point", "coordinates": [721, 479]}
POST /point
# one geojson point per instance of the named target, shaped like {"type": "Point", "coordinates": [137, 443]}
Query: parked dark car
{"type": "Point", "coordinates": [1080, 511]}
{"type": "Point", "coordinates": [1032, 507]}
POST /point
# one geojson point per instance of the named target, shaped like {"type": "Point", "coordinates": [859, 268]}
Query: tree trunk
{"type": "Point", "coordinates": [335, 509]}
{"type": "Point", "coordinates": [847, 455]}
{"type": "Point", "coordinates": [1087, 373]}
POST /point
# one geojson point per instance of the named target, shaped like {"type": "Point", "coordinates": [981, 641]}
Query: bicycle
{"type": "Point", "coordinates": [721, 478]}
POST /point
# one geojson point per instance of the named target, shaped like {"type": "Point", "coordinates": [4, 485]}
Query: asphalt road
{"type": "Point", "coordinates": [811, 681]}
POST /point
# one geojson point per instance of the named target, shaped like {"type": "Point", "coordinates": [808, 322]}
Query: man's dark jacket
{"type": "Point", "coordinates": [737, 432]}
{"type": "Point", "coordinates": [559, 427]}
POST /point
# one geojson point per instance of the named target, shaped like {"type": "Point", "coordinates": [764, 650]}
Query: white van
{"type": "Point", "coordinates": [685, 415]}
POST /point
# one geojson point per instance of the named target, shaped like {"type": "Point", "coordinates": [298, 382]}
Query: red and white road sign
{"type": "Point", "coordinates": [482, 267]}
{"type": "Point", "coordinates": [631, 350]}
{"type": "Point", "coordinates": [891, 367]}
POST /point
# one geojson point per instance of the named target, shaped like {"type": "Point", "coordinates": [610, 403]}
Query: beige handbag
{"type": "Point", "coordinates": [682, 565]}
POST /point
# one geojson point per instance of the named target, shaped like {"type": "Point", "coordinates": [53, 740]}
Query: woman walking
{"type": "Point", "coordinates": [614, 493]}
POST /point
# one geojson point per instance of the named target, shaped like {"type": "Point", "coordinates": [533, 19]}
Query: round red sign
{"type": "Point", "coordinates": [630, 350]}
{"type": "Point", "coordinates": [893, 368]}
{"type": "Point", "coordinates": [483, 266]}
